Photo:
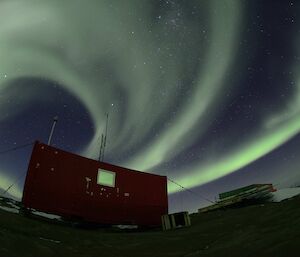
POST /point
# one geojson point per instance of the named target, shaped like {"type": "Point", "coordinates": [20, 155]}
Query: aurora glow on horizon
{"type": "Point", "coordinates": [194, 89]}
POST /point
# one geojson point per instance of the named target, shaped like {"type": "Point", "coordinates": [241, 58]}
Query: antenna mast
{"type": "Point", "coordinates": [55, 119]}
{"type": "Point", "coordinates": [103, 142]}
{"type": "Point", "coordinates": [101, 146]}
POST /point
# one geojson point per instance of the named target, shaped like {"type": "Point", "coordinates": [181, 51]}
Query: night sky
{"type": "Point", "coordinates": [205, 92]}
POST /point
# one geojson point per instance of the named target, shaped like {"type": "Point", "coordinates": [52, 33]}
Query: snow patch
{"type": "Point", "coordinates": [285, 193]}
{"type": "Point", "coordinates": [50, 240]}
{"type": "Point", "coordinates": [46, 215]}
{"type": "Point", "coordinates": [12, 210]}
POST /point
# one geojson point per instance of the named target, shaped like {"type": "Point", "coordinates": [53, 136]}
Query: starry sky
{"type": "Point", "coordinates": [205, 92]}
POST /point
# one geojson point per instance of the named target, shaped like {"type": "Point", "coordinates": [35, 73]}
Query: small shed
{"type": "Point", "coordinates": [73, 186]}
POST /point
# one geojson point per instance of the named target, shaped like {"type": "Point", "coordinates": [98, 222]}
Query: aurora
{"type": "Point", "coordinates": [188, 92]}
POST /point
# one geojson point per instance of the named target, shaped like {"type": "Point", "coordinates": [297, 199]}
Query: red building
{"type": "Point", "coordinates": [73, 186]}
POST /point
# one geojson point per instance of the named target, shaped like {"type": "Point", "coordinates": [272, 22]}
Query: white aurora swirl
{"type": "Point", "coordinates": [114, 60]}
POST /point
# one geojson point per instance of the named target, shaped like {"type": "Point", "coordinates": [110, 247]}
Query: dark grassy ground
{"type": "Point", "coordinates": [271, 229]}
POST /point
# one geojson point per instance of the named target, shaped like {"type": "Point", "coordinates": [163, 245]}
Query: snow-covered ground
{"type": "Point", "coordinates": [10, 206]}
{"type": "Point", "coordinates": [13, 206]}
{"type": "Point", "coordinates": [285, 193]}
{"type": "Point", "coordinates": [46, 215]}
{"type": "Point", "coordinates": [13, 210]}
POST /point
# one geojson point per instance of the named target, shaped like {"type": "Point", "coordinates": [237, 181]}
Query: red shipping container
{"type": "Point", "coordinates": [73, 186]}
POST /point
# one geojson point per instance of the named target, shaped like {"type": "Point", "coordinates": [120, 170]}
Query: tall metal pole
{"type": "Point", "coordinates": [104, 143]}
{"type": "Point", "coordinates": [101, 146]}
{"type": "Point", "coordinates": [55, 119]}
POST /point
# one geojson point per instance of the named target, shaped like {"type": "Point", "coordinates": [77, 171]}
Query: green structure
{"type": "Point", "coordinates": [245, 190]}
{"type": "Point", "coordinates": [242, 194]}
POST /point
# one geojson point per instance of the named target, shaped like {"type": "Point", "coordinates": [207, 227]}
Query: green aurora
{"type": "Point", "coordinates": [65, 41]}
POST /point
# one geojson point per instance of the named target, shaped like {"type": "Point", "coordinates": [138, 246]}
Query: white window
{"type": "Point", "coordinates": [106, 178]}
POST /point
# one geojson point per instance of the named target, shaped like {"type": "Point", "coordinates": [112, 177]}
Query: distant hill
{"type": "Point", "coordinates": [271, 229]}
